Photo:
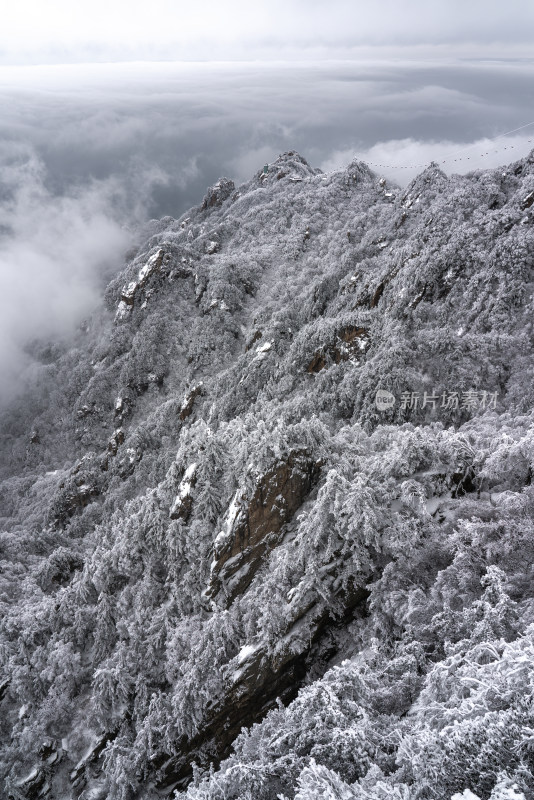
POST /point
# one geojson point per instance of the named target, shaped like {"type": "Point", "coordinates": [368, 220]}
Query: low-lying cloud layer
{"type": "Point", "coordinates": [88, 152]}
{"type": "Point", "coordinates": [53, 251]}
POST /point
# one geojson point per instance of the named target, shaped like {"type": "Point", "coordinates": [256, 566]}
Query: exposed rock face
{"type": "Point", "coordinates": [120, 605]}
{"type": "Point", "coordinates": [181, 508]}
{"type": "Point", "coordinates": [82, 486]}
{"type": "Point", "coordinates": [254, 527]}
{"type": "Point", "coordinates": [257, 686]}
{"type": "Point", "coordinates": [4, 685]}
{"type": "Point", "coordinates": [377, 295]}
{"type": "Point", "coordinates": [115, 441]}
{"type": "Point", "coordinates": [32, 787]}
{"type": "Point", "coordinates": [212, 247]}
{"type": "Point", "coordinates": [79, 774]}
{"type": "Point", "coordinates": [72, 499]}
{"type": "Point", "coordinates": [36, 786]}
{"type": "Point", "coordinates": [352, 343]}
{"type": "Point", "coordinates": [257, 335]}
{"type": "Point", "coordinates": [217, 194]}
{"type": "Point", "coordinates": [289, 165]}
{"type": "Point", "coordinates": [187, 405]}
{"type": "Point", "coordinates": [129, 292]}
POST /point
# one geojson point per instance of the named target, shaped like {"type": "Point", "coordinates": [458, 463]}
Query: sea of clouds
{"type": "Point", "coordinates": [88, 153]}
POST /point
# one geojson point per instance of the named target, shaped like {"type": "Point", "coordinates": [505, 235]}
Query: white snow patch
{"type": "Point", "coordinates": [190, 471]}
{"type": "Point", "coordinates": [226, 534]}
{"type": "Point", "coordinates": [187, 398]}
{"type": "Point", "coordinates": [144, 272]}
{"type": "Point", "coordinates": [246, 652]}
{"type": "Point", "coordinates": [128, 293]}
{"type": "Point", "coordinates": [29, 777]}
{"type": "Point", "coordinates": [150, 266]}
{"type": "Point", "coordinates": [264, 348]}
{"type": "Point", "coordinates": [185, 487]}
{"type": "Point", "coordinates": [123, 310]}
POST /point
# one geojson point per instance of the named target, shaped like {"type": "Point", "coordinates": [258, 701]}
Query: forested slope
{"type": "Point", "coordinates": [218, 550]}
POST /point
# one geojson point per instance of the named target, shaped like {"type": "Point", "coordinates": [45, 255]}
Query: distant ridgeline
{"type": "Point", "coordinates": [268, 522]}
{"type": "Point", "coordinates": [496, 144]}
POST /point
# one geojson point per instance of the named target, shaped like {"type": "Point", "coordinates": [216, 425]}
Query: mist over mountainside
{"type": "Point", "coordinates": [268, 523]}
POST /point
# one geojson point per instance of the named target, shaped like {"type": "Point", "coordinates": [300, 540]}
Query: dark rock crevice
{"type": "Point", "coordinates": [261, 683]}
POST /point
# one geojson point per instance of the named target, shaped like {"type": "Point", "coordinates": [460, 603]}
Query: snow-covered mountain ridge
{"type": "Point", "coordinates": [211, 524]}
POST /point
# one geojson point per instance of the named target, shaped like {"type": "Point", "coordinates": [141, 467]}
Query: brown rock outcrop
{"type": "Point", "coordinates": [252, 341]}
{"type": "Point", "coordinates": [351, 342]}
{"type": "Point", "coordinates": [183, 503]}
{"type": "Point", "coordinates": [259, 683]}
{"type": "Point", "coordinates": [186, 408]}
{"type": "Point", "coordinates": [217, 194]}
{"type": "Point", "coordinates": [254, 526]}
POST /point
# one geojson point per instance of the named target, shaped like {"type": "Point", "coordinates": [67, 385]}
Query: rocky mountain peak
{"type": "Point", "coordinates": [267, 526]}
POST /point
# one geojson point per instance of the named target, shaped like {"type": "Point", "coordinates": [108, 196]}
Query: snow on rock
{"type": "Point", "coordinates": [351, 343]}
{"type": "Point", "coordinates": [186, 409]}
{"type": "Point", "coordinates": [217, 303]}
{"type": "Point", "coordinates": [253, 339]}
{"type": "Point", "coordinates": [218, 193]}
{"type": "Point", "coordinates": [153, 263]}
{"type": "Point", "coordinates": [245, 652]}
{"type": "Point", "coordinates": [252, 528]}
{"type": "Point", "coordinates": [224, 536]}
{"type": "Point", "coordinates": [288, 165]}
{"type": "Point", "coordinates": [181, 508]}
{"type": "Point", "coordinates": [123, 311]}
{"type": "Point", "coordinates": [212, 247]}
{"type": "Point", "coordinates": [120, 405]}
{"type": "Point", "coordinates": [129, 292]}
{"type": "Point", "coordinates": [115, 441]}
{"type": "Point", "coordinates": [264, 348]}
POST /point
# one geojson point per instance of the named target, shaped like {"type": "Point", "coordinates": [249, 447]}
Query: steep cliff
{"type": "Point", "coordinates": [272, 510]}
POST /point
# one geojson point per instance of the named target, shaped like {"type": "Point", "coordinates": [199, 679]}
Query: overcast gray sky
{"type": "Point", "coordinates": [55, 31]}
